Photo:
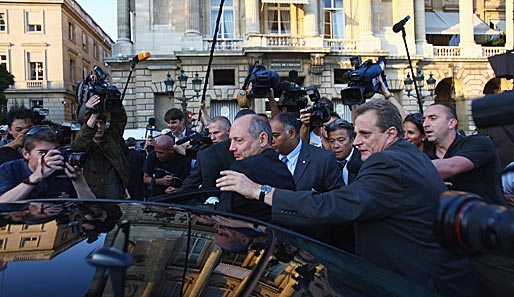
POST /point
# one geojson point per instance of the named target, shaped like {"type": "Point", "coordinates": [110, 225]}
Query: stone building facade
{"type": "Point", "coordinates": [49, 46]}
{"type": "Point", "coordinates": [446, 39]}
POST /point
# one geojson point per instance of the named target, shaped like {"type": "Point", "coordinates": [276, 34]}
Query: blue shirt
{"type": "Point", "coordinates": [13, 172]}
{"type": "Point", "coordinates": [292, 157]}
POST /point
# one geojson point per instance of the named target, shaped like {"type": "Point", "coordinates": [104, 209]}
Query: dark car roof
{"type": "Point", "coordinates": [66, 247]}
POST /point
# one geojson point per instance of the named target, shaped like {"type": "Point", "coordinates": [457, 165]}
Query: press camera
{"type": "Point", "coordinates": [97, 84]}
{"type": "Point", "coordinates": [296, 98]}
{"type": "Point", "coordinates": [363, 83]}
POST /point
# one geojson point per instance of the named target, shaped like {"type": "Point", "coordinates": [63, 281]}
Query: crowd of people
{"type": "Point", "coordinates": [371, 188]}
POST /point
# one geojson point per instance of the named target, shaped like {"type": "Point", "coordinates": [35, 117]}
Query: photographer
{"type": "Point", "coordinates": [107, 172]}
{"type": "Point", "coordinates": [18, 122]}
{"type": "Point", "coordinates": [36, 175]}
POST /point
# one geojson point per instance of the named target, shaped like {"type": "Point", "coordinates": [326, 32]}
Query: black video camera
{"type": "Point", "coordinates": [110, 96]}
{"type": "Point", "coordinates": [197, 142]}
{"type": "Point", "coordinates": [467, 225]}
{"type": "Point", "coordinates": [294, 97]}
{"type": "Point", "coordinates": [262, 81]}
{"type": "Point", "coordinates": [363, 82]}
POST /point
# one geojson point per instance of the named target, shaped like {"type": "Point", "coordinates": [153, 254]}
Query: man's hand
{"type": "Point", "coordinates": [234, 181]}
{"type": "Point", "coordinates": [305, 116]}
{"type": "Point", "coordinates": [18, 141]}
{"type": "Point", "coordinates": [181, 149]}
{"type": "Point", "coordinates": [170, 190]}
{"type": "Point", "coordinates": [166, 180]}
{"type": "Point", "coordinates": [73, 172]}
{"type": "Point", "coordinates": [93, 102]}
{"type": "Point", "coordinates": [49, 163]}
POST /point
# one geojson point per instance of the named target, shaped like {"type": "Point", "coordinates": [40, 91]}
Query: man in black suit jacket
{"type": "Point", "coordinates": [393, 203]}
{"type": "Point", "coordinates": [251, 145]}
{"type": "Point", "coordinates": [313, 168]}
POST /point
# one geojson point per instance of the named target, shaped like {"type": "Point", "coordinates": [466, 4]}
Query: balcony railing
{"type": "Point", "coordinates": [225, 44]}
{"type": "Point", "coordinates": [446, 51]}
{"type": "Point", "coordinates": [284, 41]}
{"type": "Point", "coordinates": [40, 85]}
{"type": "Point", "coordinates": [488, 51]}
{"type": "Point", "coordinates": [342, 44]}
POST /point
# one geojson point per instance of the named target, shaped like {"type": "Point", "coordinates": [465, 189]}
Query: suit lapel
{"type": "Point", "coordinates": [302, 163]}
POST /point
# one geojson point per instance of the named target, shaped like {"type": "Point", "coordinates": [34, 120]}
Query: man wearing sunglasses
{"type": "Point", "coordinates": [37, 174]}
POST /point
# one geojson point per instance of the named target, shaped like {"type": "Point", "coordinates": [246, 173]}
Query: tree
{"type": "Point", "coordinates": [6, 80]}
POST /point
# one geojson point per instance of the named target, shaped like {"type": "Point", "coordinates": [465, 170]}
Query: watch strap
{"type": "Point", "coordinates": [28, 182]}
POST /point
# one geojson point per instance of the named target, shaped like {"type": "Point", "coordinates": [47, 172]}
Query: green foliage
{"type": "Point", "coordinates": [6, 80]}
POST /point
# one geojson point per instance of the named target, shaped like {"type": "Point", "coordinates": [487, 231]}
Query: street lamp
{"type": "Point", "coordinates": [420, 79]}
{"type": "Point", "coordinates": [182, 83]}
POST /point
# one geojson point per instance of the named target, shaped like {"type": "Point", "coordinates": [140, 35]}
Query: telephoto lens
{"type": "Point", "coordinates": [467, 225]}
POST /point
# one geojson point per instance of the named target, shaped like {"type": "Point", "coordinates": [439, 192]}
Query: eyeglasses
{"type": "Point", "coordinates": [33, 131]}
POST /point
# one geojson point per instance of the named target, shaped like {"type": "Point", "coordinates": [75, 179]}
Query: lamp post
{"type": "Point", "coordinates": [182, 80]}
{"type": "Point", "coordinates": [420, 83]}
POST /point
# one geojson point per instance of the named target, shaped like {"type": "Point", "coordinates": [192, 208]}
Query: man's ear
{"type": "Point", "coordinates": [392, 134]}
{"type": "Point", "coordinates": [292, 132]}
{"type": "Point", "coordinates": [452, 124]}
{"type": "Point", "coordinates": [25, 154]}
{"type": "Point", "coordinates": [263, 139]}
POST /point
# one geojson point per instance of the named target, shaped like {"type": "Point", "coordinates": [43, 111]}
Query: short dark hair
{"type": "Point", "coordinates": [19, 114]}
{"type": "Point", "coordinates": [289, 121]}
{"type": "Point", "coordinates": [328, 102]}
{"type": "Point", "coordinates": [387, 114]}
{"type": "Point", "coordinates": [243, 112]}
{"type": "Point", "coordinates": [221, 119]}
{"type": "Point", "coordinates": [174, 114]}
{"type": "Point", "coordinates": [38, 134]}
{"type": "Point", "coordinates": [450, 112]}
{"type": "Point", "coordinates": [341, 124]}
{"type": "Point", "coordinates": [259, 125]}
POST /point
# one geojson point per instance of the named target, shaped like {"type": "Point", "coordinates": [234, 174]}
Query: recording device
{"type": "Point", "coordinates": [399, 26]}
{"type": "Point", "coordinates": [197, 142]}
{"type": "Point", "coordinates": [40, 114]}
{"type": "Point", "coordinates": [363, 82]}
{"type": "Point", "coordinates": [294, 100]}
{"type": "Point", "coordinates": [3, 130]}
{"type": "Point", "coordinates": [73, 158]}
{"type": "Point", "coordinates": [262, 80]}
{"type": "Point", "coordinates": [493, 110]}
{"type": "Point", "coordinates": [110, 96]}
{"type": "Point", "coordinates": [465, 224]}
{"type": "Point", "coordinates": [150, 127]}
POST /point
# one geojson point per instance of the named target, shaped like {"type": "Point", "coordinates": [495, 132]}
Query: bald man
{"type": "Point", "coordinates": [164, 170]}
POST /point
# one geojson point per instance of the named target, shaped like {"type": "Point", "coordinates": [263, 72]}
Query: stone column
{"type": "Point", "coordinates": [467, 42]}
{"type": "Point", "coordinates": [367, 39]}
{"type": "Point", "coordinates": [509, 26]}
{"type": "Point", "coordinates": [193, 19]}
{"type": "Point", "coordinates": [311, 19]}
{"type": "Point", "coordinates": [123, 45]}
{"type": "Point", "coordinates": [252, 17]}
{"type": "Point", "coordinates": [422, 46]}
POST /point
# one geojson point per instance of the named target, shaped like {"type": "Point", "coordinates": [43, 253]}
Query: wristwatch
{"type": "Point", "coordinates": [28, 182]}
{"type": "Point", "coordinates": [265, 189]}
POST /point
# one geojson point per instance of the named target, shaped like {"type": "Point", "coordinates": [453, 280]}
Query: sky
{"type": "Point", "coordinates": [104, 14]}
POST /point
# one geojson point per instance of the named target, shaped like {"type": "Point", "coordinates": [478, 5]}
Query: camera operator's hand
{"type": "Point", "coordinates": [93, 102]}
{"type": "Point", "coordinates": [305, 116]}
{"type": "Point", "coordinates": [170, 190]}
{"type": "Point", "coordinates": [18, 141]}
{"type": "Point", "coordinates": [181, 149]}
{"type": "Point", "coordinates": [49, 163]}
{"type": "Point", "coordinates": [165, 181]}
{"type": "Point", "coordinates": [73, 172]}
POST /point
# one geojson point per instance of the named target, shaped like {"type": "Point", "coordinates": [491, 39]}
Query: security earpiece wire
{"type": "Point", "coordinates": [211, 55]}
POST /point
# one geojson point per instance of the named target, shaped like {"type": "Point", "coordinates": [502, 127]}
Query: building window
{"type": "Point", "coordinates": [224, 77]}
{"type": "Point", "coordinates": [29, 242]}
{"type": "Point", "coordinates": [36, 103]}
{"type": "Point", "coordinates": [95, 50]}
{"type": "Point", "coordinates": [3, 22]}
{"type": "Point", "coordinates": [72, 70]}
{"type": "Point", "coordinates": [36, 70]}
{"type": "Point", "coordinates": [84, 41]}
{"type": "Point", "coordinates": [3, 242]}
{"type": "Point", "coordinates": [3, 60]}
{"type": "Point", "coordinates": [71, 31]}
{"type": "Point", "coordinates": [334, 19]}
{"type": "Point", "coordinates": [227, 21]}
{"type": "Point", "coordinates": [34, 21]}
{"type": "Point", "coordinates": [278, 18]}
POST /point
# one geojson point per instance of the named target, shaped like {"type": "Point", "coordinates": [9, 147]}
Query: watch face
{"type": "Point", "coordinates": [265, 188]}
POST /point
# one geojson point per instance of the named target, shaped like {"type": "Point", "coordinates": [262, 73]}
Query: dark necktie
{"type": "Point", "coordinates": [341, 166]}
{"type": "Point", "coordinates": [284, 160]}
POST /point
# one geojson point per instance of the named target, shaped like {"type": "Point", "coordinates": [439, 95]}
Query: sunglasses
{"type": "Point", "coordinates": [33, 131]}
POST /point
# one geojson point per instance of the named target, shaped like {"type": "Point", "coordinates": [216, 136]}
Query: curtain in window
{"type": "Point", "coordinates": [285, 20]}
{"type": "Point", "coordinates": [272, 22]}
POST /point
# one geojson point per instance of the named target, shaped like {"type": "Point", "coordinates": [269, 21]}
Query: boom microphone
{"type": "Point", "coordinates": [399, 26]}
{"type": "Point", "coordinates": [140, 57]}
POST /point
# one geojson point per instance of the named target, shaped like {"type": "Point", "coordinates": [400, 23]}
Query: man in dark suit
{"type": "Point", "coordinates": [340, 141]}
{"type": "Point", "coordinates": [313, 168]}
{"type": "Point", "coordinates": [393, 202]}
{"type": "Point", "coordinates": [250, 138]}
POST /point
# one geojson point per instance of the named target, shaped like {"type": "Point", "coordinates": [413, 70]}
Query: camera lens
{"type": "Point", "coordinates": [467, 225]}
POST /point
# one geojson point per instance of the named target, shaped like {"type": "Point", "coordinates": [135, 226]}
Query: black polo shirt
{"type": "Point", "coordinates": [179, 167]}
{"type": "Point", "coordinates": [484, 179]}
